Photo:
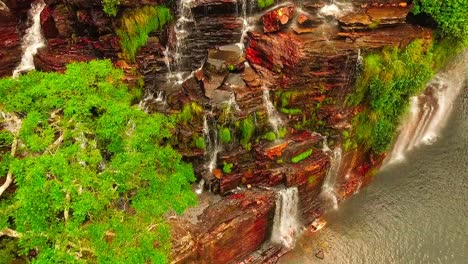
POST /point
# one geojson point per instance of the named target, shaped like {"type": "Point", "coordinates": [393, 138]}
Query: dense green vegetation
{"type": "Point", "coordinates": [135, 26]}
{"type": "Point", "coordinates": [111, 7]}
{"type": "Point", "coordinates": [93, 174]}
{"type": "Point", "coordinates": [450, 16]}
{"type": "Point", "coordinates": [387, 82]}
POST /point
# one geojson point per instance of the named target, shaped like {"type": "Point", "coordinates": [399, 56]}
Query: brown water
{"type": "Point", "coordinates": [413, 212]}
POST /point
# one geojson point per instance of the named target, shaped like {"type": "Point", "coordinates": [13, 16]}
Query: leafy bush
{"type": "Point", "coordinates": [450, 16]}
{"type": "Point", "coordinates": [388, 81]}
{"type": "Point", "coordinates": [111, 7]}
{"type": "Point", "coordinates": [136, 25]}
{"type": "Point", "coordinates": [304, 155]}
{"type": "Point", "coordinates": [93, 174]}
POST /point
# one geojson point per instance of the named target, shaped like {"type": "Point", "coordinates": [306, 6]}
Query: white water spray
{"type": "Point", "coordinates": [335, 9]}
{"type": "Point", "coordinates": [328, 187]}
{"type": "Point", "coordinates": [286, 225]}
{"type": "Point", "coordinates": [273, 116]}
{"type": "Point", "coordinates": [430, 111]}
{"type": "Point", "coordinates": [182, 31]}
{"type": "Point", "coordinates": [246, 25]}
{"type": "Point", "coordinates": [200, 186]}
{"type": "Point", "coordinates": [32, 40]}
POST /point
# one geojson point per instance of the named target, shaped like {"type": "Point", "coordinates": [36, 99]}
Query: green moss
{"type": "Point", "coordinates": [374, 24]}
{"type": "Point", "coordinates": [227, 167]}
{"type": "Point", "coordinates": [189, 111]}
{"type": "Point", "coordinates": [304, 155]}
{"type": "Point", "coordinates": [199, 142]}
{"type": "Point", "coordinates": [282, 131]}
{"type": "Point", "coordinates": [225, 135]}
{"type": "Point", "coordinates": [290, 111]}
{"type": "Point", "coordinates": [247, 128]}
{"type": "Point", "coordinates": [265, 3]}
{"type": "Point", "coordinates": [111, 7]}
{"type": "Point", "coordinates": [135, 26]}
{"type": "Point", "coordinates": [6, 139]}
{"type": "Point", "coordinates": [311, 179]}
{"type": "Point", "coordinates": [270, 136]}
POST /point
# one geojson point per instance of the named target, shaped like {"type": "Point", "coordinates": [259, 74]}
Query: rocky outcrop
{"type": "Point", "coordinates": [227, 230]}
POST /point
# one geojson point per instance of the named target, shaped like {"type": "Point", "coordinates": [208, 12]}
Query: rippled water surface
{"type": "Point", "coordinates": [413, 212]}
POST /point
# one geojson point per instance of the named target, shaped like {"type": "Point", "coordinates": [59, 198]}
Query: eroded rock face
{"type": "Point", "coordinates": [306, 61]}
{"type": "Point", "coordinates": [10, 43]}
{"type": "Point", "coordinates": [276, 19]}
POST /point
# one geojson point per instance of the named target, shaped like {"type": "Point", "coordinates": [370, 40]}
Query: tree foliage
{"type": "Point", "coordinates": [450, 16]}
{"type": "Point", "coordinates": [93, 174]}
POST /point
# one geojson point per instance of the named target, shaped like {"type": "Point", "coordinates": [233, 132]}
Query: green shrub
{"type": "Point", "coordinates": [135, 26]}
{"type": "Point", "coordinates": [94, 174]}
{"type": "Point", "coordinates": [225, 135]}
{"type": "Point", "coordinates": [450, 16]}
{"type": "Point", "coordinates": [111, 7]}
{"type": "Point", "coordinates": [265, 3]}
{"type": "Point", "coordinates": [304, 155]}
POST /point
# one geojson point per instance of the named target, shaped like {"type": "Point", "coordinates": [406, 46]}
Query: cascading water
{"type": "Point", "coordinates": [273, 116]}
{"type": "Point", "coordinates": [245, 21]}
{"type": "Point", "coordinates": [182, 30]}
{"type": "Point", "coordinates": [286, 225]}
{"type": "Point", "coordinates": [429, 111]}
{"type": "Point", "coordinates": [32, 40]}
{"type": "Point", "coordinates": [328, 187]}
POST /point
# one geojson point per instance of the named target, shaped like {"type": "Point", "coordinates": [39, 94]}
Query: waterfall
{"type": "Point", "coordinates": [32, 40]}
{"type": "Point", "coordinates": [328, 187]}
{"type": "Point", "coordinates": [429, 111]}
{"type": "Point", "coordinates": [212, 145]}
{"type": "Point", "coordinates": [182, 29]}
{"type": "Point", "coordinates": [325, 147]}
{"type": "Point", "coordinates": [286, 224]}
{"type": "Point", "coordinates": [232, 103]}
{"type": "Point", "coordinates": [200, 186]}
{"type": "Point", "coordinates": [245, 22]}
{"type": "Point", "coordinates": [273, 116]}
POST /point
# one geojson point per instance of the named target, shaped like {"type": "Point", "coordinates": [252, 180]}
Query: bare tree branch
{"type": "Point", "coordinates": [9, 232]}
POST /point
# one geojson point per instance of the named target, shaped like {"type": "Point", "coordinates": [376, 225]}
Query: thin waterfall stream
{"type": "Point", "coordinates": [286, 226]}
{"type": "Point", "coordinates": [328, 187]}
{"type": "Point", "coordinates": [273, 117]}
{"type": "Point", "coordinates": [32, 40]}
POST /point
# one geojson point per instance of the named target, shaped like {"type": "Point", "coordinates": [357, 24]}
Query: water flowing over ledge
{"type": "Point", "coordinates": [32, 40]}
